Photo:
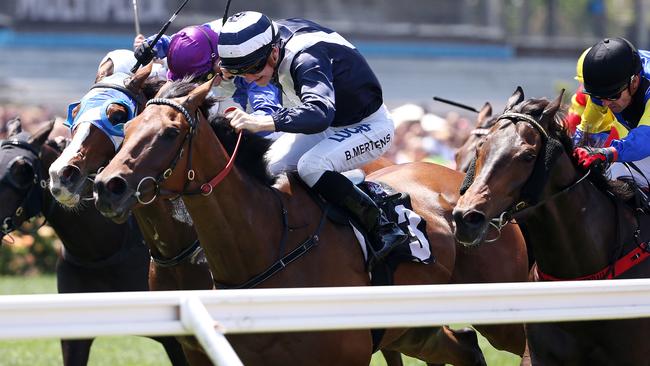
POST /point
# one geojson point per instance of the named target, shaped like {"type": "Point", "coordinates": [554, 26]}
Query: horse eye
{"type": "Point", "coordinates": [118, 116]}
{"type": "Point", "coordinates": [170, 133]}
{"type": "Point", "coordinates": [22, 173]}
{"type": "Point", "coordinates": [528, 157]}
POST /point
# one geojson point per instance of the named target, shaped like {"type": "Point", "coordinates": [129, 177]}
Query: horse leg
{"type": "Point", "coordinates": [441, 345]}
{"type": "Point", "coordinates": [506, 337]}
{"type": "Point", "coordinates": [173, 349]}
{"type": "Point", "coordinates": [392, 358]}
{"type": "Point", "coordinates": [76, 351]}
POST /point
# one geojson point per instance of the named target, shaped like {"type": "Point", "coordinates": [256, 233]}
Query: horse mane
{"type": "Point", "coordinates": [152, 86]}
{"type": "Point", "coordinates": [559, 131]}
{"type": "Point", "coordinates": [253, 147]}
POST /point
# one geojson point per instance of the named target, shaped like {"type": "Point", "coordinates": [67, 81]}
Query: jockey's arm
{"type": "Point", "coordinates": [264, 100]}
{"type": "Point", "coordinates": [636, 145]}
{"type": "Point", "coordinates": [313, 80]}
{"type": "Point", "coordinates": [597, 126]}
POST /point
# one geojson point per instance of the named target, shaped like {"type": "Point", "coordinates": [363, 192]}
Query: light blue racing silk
{"type": "Point", "coordinates": [94, 107]}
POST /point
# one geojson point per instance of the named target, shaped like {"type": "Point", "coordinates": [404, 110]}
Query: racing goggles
{"type": "Point", "coordinates": [94, 107]}
{"type": "Point", "coordinates": [615, 96]}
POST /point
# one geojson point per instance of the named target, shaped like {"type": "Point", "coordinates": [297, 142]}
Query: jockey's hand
{"type": "Point", "coordinates": [241, 120]}
{"type": "Point", "coordinates": [588, 156]}
{"type": "Point", "coordinates": [137, 41]}
{"type": "Point", "coordinates": [144, 53]}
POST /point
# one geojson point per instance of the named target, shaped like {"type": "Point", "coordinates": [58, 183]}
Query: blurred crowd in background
{"type": "Point", "coordinates": [419, 134]}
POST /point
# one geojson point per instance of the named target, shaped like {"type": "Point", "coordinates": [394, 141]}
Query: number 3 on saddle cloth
{"type": "Point", "coordinates": [398, 209]}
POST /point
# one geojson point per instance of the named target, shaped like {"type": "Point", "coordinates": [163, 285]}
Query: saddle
{"type": "Point", "coordinates": [398, 209]}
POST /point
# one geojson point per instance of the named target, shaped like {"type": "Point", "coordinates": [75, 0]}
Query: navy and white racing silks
{"type": "Point", "coordinates": [324, 79]}
{"type": "Point", "coordinates": [94, 107]}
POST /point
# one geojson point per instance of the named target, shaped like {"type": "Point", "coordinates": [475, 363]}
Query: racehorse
{"type": "Point", "coordinates": [178, 262]}
{"type": "Point", "coordinates": [97, 255]}
{"type": "Point", "coordinates": [578, 228]}
{"type": "Point", "coordinates": [246, 224]}
{"type": "Point", "coordinates": [466, 152]}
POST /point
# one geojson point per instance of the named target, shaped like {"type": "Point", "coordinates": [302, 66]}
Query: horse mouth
{"type": "Point", "coordinates": [470, 238]}
{"type": "Point", "coordinates": [64, 196]}
{"type": "Point", "coordinates": [116, 211]}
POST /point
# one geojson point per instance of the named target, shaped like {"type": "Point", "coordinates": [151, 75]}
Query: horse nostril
{"type": "Point", "coordinates": [474, 218]}
{"type": "Point", "coordinates": [55, 191]}
{"type": "Point", "coordinates": [70, 174]}
{"type": "Point", "coordinates": [116, 185]}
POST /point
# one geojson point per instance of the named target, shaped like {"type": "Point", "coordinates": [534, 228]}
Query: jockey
{"type": "Point", "coordinates": [193, 51]}
{"type": "Point", "coordinates": [615, 125]}
{"type": "Point", "coordinates": [337, 120]}
{"type": "Point", "coordinates": [578, 99]}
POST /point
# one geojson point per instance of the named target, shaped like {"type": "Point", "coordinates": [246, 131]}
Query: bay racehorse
{"type": "Point", "coordinates": [178, 262]}
{"type": "Point", "coordinates": [579, 228]}
{"type": "Point", "coordinates": [97, 255]}
{"type": "Point", "coordinates": [248, 221]}
{"type": "Point", "coordinates": [175, 265]}
{"type": "Point", "coordinates": [467, 151]}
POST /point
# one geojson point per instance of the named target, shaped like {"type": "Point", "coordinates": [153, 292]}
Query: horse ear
{"type": "Point", "coordinates": [516, 98]}
{"type": "Point", "coordinates": [484, 113]}
{"type": "Point", "coordinates": [551, 109]}
{"type": "Point", "coordinates": [104, 70]}
{"type": "Point", "coordinates": [41, 135]}
{"type": "Point", "coordinates": [136, 83]}
{"type": "Point", "coordinates": [14, 127]}
{"type": "Point", "coordinates": [197, 96]}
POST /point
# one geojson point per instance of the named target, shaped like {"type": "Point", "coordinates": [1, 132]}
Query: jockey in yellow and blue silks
{"type": "Point", "coordinates": [615, 125]}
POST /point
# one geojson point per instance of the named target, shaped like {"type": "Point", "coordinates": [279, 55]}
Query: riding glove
{"type": "Point", "coordinates": [588, 156]}
{"type": "Point", "coordinates": [144, 53]}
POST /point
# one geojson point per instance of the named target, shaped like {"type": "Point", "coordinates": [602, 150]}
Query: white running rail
{"type": "Point", "coordinates": [302, 309]}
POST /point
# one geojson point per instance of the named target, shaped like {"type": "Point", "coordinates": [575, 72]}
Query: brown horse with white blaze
{"type": "Point", "coordinates": [248, 221]}
{"type": "Point", "coordinates": [178, 262]}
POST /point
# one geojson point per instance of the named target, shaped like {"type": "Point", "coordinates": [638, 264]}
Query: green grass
{"type": "Point", "coordinates": [134, 351]}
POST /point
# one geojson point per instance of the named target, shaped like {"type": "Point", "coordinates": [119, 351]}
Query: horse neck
{"type": "Point", "coordinates": [239, 224]}
{"type": "Point", "coordinates": [165, 236]}
{"type": "Point", "coordinates": [572, 233]}
{"type": "Point", "coordinates": [84, 232]}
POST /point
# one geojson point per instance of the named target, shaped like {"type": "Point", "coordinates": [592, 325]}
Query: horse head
{"type": "Point", "coordinates": [155, 143]}
{"type": "Point", "coordinates": [97, 123]}
{"type": "Point", "coordinates": [21, 180]}
{"type": "Point", "coordinates": [511, 167]}
{"type": "Point", "coordinates": [466, 152]}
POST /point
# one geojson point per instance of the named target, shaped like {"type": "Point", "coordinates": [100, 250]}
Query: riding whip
{"type": "Point", "coordinates": [225, 13]}
{"type": "Point", "coordinates": [460, 105]}
{"type": "Point", "coordinates": [162, 31]}
{"type": "Point", "coordinates": [136, 17]}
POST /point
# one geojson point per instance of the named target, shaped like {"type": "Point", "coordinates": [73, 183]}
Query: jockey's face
{"type": "Point", "coordinates": [625, 99]}
{"type": "Point", "coordinates": [263, 77]}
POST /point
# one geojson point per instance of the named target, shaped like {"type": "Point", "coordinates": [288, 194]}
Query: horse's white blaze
{"type": "Point", "coordinates": [64, 196]}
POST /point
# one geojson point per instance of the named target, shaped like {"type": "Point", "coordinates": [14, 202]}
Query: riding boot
{"type": "Point", "coordinates": [384, 234]}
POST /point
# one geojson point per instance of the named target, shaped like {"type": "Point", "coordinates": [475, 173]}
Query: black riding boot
{"type": "Point", "coordinates": [384, 234]}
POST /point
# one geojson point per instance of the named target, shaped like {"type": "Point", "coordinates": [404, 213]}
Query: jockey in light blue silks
{"type": "Point", "coordinates": [336, 119]}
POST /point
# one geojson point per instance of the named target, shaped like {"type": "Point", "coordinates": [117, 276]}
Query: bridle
{"type": "Point", "coordinates": [32, 202]}
{"type": "Point", "coordinates": [206, 188]}
{"type": "Point", "coordinates": [519, 208]}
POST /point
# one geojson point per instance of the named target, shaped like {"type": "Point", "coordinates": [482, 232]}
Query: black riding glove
{"type": "Point", "coordinates": [144, 53]}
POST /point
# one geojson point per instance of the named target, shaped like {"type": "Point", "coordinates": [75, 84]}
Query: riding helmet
{"type": "Point", "coordinates": [193, 50]}
{"type": "Point", "coordinates": [609, 65]}
{"type": "Point", "coordinates": [246, 39]}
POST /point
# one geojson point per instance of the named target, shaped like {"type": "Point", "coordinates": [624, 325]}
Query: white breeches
{"type": "Point", "coordinates": [337, 148]}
